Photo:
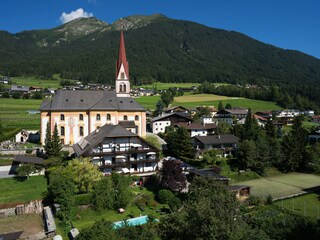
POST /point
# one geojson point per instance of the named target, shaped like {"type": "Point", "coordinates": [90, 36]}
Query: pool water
{"type": "Point", "coordinates": [132, 222]}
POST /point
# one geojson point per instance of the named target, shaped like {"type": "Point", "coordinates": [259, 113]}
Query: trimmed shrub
{"type": "Point", "coordinates": [164, 196]}
{"type": "Point", "coordinates": [174, 203]}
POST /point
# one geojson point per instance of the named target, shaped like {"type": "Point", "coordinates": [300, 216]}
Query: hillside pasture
{"type": "Point", "coordinates": [283, 185]}
{"type": "Point", "coordinates": [14, 115]}
{"type": "Point", "coordinates": [162, 86]}
{"type": "Point", "coordinates": [192, 101]}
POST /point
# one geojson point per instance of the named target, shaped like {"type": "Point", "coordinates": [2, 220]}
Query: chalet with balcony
{"type": "Point", "coordinates": [198, 129]}
{"type": "Point", "coordinates": [159, 124]}
{"type": "Point", "coordinates": [114, 148]}
{"type": "Point", "coordinates": [227, 144]}
{"type": "Point", "coordinates": [178, 109]}
{"type": "Point", "coordinates": [230, 115]}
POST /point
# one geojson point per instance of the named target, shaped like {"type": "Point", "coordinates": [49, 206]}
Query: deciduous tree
{"type": "Point", "coordinates": [83, 173]}
{"type": "Point", "coordinates": [172, 176]}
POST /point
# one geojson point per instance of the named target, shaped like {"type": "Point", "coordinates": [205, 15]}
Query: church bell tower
{"type": "Point", "coordinates": [122, 71]}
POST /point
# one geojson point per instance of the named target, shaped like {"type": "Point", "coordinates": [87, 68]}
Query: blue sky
{"type": "Point", "coordinates": [289, 24]}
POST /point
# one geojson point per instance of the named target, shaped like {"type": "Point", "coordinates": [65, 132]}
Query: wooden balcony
{"type": "Point", "coordinates": [127, 163]}
{"type": "Point", "coordinates": [118, 152]}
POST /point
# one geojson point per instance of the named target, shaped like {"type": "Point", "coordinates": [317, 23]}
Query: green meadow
{"type": "Point", "coordinates": [36, 82]}
{"type": "Point", "coordinates": [194, 100]}
{"type": "Point", "coordinates": [13, 113]}
{"type": "Point", "coordinates": [282, 185]}
{"type": "Point", "coordinates": [191, 101]}
{"type": "Point", "coordinates": [161, 86]}
{"type": "Point", "coordinates": [16, 190]}
{"type": "Point", "coordinates": [306, 205]}
{"type": "Point", "coordinates": [148, 102]}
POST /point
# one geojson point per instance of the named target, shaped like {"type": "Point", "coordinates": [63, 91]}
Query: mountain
{"type": "Point", "coordinates": [158, 48]}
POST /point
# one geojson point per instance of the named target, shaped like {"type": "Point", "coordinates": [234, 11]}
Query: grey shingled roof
{"type": "Point", "coordinates": [28, 159]}
{"type": "Point", "coordinates": [194, 126]}
{"type": "Point", "coordinates": [180, 114]}
{"type": "Point", "coordinates": [127, 124]}
{"type": "Point", "coordinates": [67, 100]}
{"type": "Point", "coordinates": [218, 139]}
{"type": "Point", "coordinates": [97, 136]}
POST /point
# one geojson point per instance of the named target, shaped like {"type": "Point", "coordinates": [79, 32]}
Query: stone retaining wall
{"type": "Point", "coordinates": [26, 208]}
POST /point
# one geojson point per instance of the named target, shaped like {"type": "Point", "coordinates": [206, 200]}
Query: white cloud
{"type": "Point", "coordinates": [67, 17]}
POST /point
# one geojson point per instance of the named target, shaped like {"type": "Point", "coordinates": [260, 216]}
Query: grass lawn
{"type": "Point", "coordinates": [161, 86]}
{"type": "Point", "coordinates": [32, 81]}
{"type": "Point", "coordinates": [308, 124]}
{"type": "Point", "coordinates": [13, 113]}
{"type": "Point", "coordinates": [306, 205]}
{"type": "Point", "coordinates": [5, 161]}
{"type": "Point", "coordinates": [282, 185]}
{"type": "Point", "coordinates": [13, 190]}
{"type": "Point", "coordinates": [191, 101]}
{"type": "Point", "coordinates": [234, 176]}
{"type": "Point", "coordinates": [86, 218]}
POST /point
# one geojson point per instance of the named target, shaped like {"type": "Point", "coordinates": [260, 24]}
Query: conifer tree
{"type": "Point", "coordinates": [294, 147]}
{"type": "Point", "coordinates": [250, 127]}
{"type": "Point", "coordinates": [48, 145]}
{"type": "Point", "coordinates": [56, 142]}
{"type": "Point", "coordinates": [228, 106]}
{"type": "Point", "coordinates": [270, 129]}
{"type": "Point", "coordinates": [220, 106]}
{"type": "Point", "coordinates": [53, 144]}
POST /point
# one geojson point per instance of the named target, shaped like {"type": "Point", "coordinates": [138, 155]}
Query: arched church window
{"type": "Point", "coordinates": [81, 131]}
{"type": "Point", "coordinates": [81, 117]}
{"type": "Point", "coordinates": [62, 131]}
{"type": "Point", "coordinates": [125, 117]}
{"type": "Point", "coordinates": [108, 117]}
{"type": "Point", "coordinates": [136, 118]}
{"type": "Point", "coordinates": [62, 117]}
{"type": "Point", "coordinates": [98, 117]}
{"type": "Point", "coordinates": [122, 75]}
{"type": "Point", "coordinates": [123, 87]}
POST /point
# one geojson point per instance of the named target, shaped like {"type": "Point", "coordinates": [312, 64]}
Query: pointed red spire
{"type": "Point", "coordinates": [122, 59]}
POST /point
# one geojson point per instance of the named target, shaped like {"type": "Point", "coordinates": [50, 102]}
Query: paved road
{"type": "Point", "coordinates": [5, 174]}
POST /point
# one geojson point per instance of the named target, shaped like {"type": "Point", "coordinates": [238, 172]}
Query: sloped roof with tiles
{"type": "Point", "coordinates": [218, 139]}
{"type": "Point", "coordinates": [68, 100]}
{"type": "Point", "coordinates": [122, 58]}
{"type": "Point", "coordinates": [97, 136]}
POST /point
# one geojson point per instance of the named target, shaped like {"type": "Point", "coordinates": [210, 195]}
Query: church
{"type": "Point", "coordinates": [79, 113]}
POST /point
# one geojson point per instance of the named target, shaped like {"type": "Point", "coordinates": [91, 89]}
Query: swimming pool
{"type": "Point", "coordinates": [132, 222]}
